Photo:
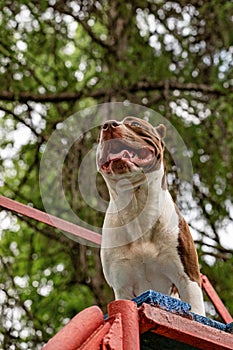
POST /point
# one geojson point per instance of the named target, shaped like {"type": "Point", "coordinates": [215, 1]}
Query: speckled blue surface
{"type": "Point", "coordinates": [179, 307]}
{"type": "Point", "coordinates": [164, 302]}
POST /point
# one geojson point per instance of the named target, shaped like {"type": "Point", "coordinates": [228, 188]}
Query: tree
{"type": "Point", "coordinates": [60, 57]}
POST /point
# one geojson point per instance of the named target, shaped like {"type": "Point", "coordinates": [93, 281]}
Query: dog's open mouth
{"type": "Point", "coordinates": [119, 156]}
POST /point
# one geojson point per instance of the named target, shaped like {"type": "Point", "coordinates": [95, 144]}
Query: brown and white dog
{"type": "Point", "coordinates": [146, 243]}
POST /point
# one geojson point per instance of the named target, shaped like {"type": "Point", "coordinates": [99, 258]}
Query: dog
{"type": "Point", "coordinates": [146, 243]}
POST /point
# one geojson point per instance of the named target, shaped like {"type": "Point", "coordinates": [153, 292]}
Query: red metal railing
{"type": "Point", "coordinates": [217, 302]}
{"type": "Point", "coordinates": [50, 220]}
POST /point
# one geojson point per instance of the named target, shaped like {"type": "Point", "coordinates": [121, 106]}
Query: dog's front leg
{"type": "Point", "coordinates": [122, 283]}
{"type": "Point", "coordinates": [124, 293]}
{"type": "Point", "coordinates": [191, 293]}
{"type": "Point", "coordinates": [119, 274]}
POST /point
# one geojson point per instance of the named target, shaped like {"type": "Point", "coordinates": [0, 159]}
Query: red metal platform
{"type": "Point", "coordinates": [126, 324]}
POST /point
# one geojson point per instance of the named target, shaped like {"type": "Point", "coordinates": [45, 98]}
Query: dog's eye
{"type": "Point", "coordinates": [138, 125]}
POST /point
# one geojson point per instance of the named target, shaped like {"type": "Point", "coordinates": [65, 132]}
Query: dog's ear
{"type": "Point", "coordinates": [161, 130]}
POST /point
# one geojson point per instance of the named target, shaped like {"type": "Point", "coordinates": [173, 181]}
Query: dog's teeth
{"type": "Point", "coordinates": [133, 155]}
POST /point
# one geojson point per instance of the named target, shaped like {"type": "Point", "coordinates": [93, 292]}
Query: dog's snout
{"type": "Point", "coordinates": [110, 124]}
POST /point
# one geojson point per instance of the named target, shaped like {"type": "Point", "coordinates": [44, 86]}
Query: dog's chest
{"type": "Point", "coordinates": [153, 248]}
{"type": "Point", "coordinates": [143, 265]}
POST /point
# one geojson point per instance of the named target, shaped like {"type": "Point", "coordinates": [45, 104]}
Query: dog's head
{"type": "Point", "coordinates": [132, 145]}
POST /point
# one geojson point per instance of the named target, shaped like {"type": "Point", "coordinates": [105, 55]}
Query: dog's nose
{"type": "Point", "coordinates": [110, 124]}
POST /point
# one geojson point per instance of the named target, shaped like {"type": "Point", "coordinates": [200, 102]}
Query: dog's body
{"type": "Point", "coordinates": [146, 243]}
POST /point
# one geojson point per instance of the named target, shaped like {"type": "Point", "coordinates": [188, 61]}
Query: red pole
{"type": "Point", "coordinates": [130, 322]}
{"type": "Point", "coordinates": [217, 302]}
{"type": "Point", "coordinates": [51, 220]}
{"type": "Point", "coordinates": [76, 332]}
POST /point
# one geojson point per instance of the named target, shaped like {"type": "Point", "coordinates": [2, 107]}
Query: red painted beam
{"type": "Point", "coordinates": [50, 220]}
{"type": "Point", "coordinates": [77, 331]}
{"type": "Point", "coordinates": [95, 340]}
{"type": "Point", "coordinates": [217, 302]}
{"type": "Point", "coordinates": [130, 322]}
{"type": "Point", "coordinates": [114, 339]}
{"type": "Point", "coordinates": [184, 330]}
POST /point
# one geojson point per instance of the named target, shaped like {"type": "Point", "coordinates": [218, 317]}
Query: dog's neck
{"type": "Point", "coordinates": [135, 206]}
{"type": "Point", "coordinates": [141, 189]}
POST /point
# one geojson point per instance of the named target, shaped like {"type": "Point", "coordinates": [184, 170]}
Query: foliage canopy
{"type": "Point", "coordinates": [59, 57]}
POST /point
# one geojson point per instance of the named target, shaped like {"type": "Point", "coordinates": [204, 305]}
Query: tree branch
{"type": "Point", "coordinates": [223, 251]}
{"type": "Point", "coordinates": [25, 96]}
{"type": "Point", "coordinates": [175, 85]}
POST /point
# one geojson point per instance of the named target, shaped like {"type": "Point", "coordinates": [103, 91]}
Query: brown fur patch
{"type": "Point", "coordinates": [174, 290]}
{"type": "Point", "coordinates": [164, 179]}
{"type": "Point", "coordinates": [187, 251]}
